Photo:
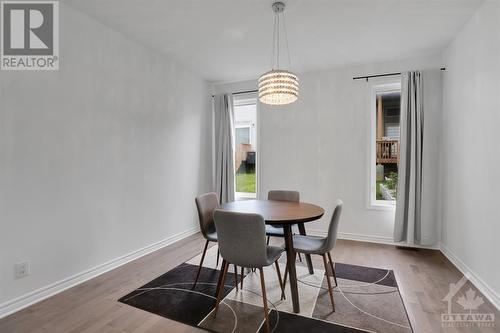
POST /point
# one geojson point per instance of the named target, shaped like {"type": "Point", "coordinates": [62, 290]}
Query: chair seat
{"type": "Point", "coordinates": [211, 236]}
{"type": "Point", "coordinates": [273, 253]}
{"type": "Point", "coordinates": [274, 231]}
{"type": "Point", "coordinates": [309, 244]}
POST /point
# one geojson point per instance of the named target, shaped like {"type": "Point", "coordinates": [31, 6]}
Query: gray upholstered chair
{"type": "Point", "coordinates": [206, 204]}
{"type": "Point", "coordinates": [293, 196]}
{"type": "Point", "coordinates": [279, 195]}
{"type": "Point", "coordinates": [242, 242]}
{"type": "Point", "coordinates": [321, 246]}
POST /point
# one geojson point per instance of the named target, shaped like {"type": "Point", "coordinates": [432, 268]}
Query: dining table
{"type": "Point", "coordinates": [283, 214]}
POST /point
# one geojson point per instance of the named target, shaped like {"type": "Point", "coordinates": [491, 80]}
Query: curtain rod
{"type": "Point", "coordinates": [243, 92]}
{"type": "Point", "coordinates": [381, 75]}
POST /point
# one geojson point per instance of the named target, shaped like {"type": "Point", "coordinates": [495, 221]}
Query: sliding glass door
{"type": "Point", "coordinates": [245, 150]}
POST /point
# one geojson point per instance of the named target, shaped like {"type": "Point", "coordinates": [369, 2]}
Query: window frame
{"type": "Point", "coordinates": [373, 203]}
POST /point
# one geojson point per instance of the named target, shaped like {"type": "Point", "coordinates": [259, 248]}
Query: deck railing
{"type": "Point", "coordinates": [387, 151]}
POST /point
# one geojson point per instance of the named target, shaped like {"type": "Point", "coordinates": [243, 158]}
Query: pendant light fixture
{"type": "Point", "coordinates": [278, 86]}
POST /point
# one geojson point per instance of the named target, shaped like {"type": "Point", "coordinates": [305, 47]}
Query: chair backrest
{"type": "Point", "coordinates": [241, 238]}
{"type": "Point", "coordinates": [206, 204]}
{"type": "Point", "coordinates": [283, 195]}
{"type": "Point", "coordinates": [331, 237]}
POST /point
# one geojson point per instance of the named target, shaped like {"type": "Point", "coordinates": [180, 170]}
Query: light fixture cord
{"type": "Point", "coordinates": [273, 46]}
{"type": "Point", "coordinates": [278, 42]}
{"type": "Point", "coordinates": [275, 54]}
{"type": "Point", "coordinates": [286, 43]}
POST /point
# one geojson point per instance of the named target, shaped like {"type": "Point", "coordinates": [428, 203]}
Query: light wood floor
{"type": "Point", "coordinates": [423, 277]}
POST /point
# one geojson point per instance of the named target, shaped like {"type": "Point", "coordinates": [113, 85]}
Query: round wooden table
{"type": "Point", "coordinates": [284, 213]}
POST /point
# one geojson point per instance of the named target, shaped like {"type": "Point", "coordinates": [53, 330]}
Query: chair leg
{"type": "Point", "coordinates": [236, 276]}
{"type": "Point", "coordinates": [286, 274]}
{"type": "Point", "coordinates": [280, 280]}
{"type": "Point", "coordinates": [241, 278]}
{"type": "Point", "coordinates": [221, 286]}
{"type": "Point", "coordinates": [218, 255]}
{"type": "Point", "coordinates": [264, 299]}
{"type": "Point", "coordinates": [201, 264]}
{"type": "Point", "coordinates": [286, 268]}
{"type": "Point", "coordinates": [333, 269]}
{"type": "Point", "coordinates": [268, 238]}
{"type": "Point", "coordinates": [328, 280]}
{"type": "Point", "coordinates": [300, 257]}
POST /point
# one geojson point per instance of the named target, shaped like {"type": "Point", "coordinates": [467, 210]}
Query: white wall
{"type": "Point", "coordinates": [98, 159]}
{"type": "Point", "coordinates": [320, 144]}
{"type": "Point", "coordinates": [471, 150]}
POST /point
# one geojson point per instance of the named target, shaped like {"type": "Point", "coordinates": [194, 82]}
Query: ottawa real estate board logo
{"type": "Point", "coordinates": [29, 35]}
{"type": "Point", "coordinates": [464, 308]}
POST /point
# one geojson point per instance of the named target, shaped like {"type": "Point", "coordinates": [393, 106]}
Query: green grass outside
{"type": "Point", "coordinates": [245, 182]}
{"type": "Point", "coordinates": [379, 194]}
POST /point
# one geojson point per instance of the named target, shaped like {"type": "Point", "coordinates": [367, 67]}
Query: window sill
{"type": "Point", "coordinates": [245, 196]}
{"type": "Point", "coordinates": [380, 205]}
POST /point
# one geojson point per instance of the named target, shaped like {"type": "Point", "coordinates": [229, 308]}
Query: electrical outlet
{"type": "Point", "coordinates": [22, 269]}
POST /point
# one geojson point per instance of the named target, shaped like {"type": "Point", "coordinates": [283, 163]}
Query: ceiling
{"type": "Point", "coordinates": [230, 40]}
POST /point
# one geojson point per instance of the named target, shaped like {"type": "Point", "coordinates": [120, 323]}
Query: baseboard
{"type": "Point", "coordinates": [369, 239]}
{"type": "Point", "coordinates": [482, 286]}
{"type": "Point", "coordinates": [366, 238]}
{"type": "Point", "coordinates": [38, 295]}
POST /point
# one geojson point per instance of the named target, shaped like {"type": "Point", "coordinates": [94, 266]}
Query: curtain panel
{"type": "Point", "coordinates": [408, 221]}
{"type": "Point", "coordinates": [223, 147]}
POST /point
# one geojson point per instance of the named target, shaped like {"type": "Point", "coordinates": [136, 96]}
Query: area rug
{"type": "Point", "coordinates": [366, 300]}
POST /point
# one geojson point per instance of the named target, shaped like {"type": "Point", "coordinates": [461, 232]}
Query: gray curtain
{"type": "Point", "coordinates": [408, 223]}
{"type": "Point", "coordinates": [223, 147]}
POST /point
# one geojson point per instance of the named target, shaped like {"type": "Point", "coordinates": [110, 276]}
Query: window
{"type": "Point", "coordinates": [245, 150]}
{"type": "Point", "coordinates": [384, 145]}
{"type": "Point", "coordinates": [242, 135]}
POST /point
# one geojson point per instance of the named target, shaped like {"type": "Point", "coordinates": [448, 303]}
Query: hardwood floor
{"type": "Point", "coordinates": [423, 277]}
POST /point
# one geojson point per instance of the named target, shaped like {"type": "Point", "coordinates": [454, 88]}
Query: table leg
{"type": "Point", "coordinates": [291, 267]}
{"type": "Point", "coordinates": [302, 231]}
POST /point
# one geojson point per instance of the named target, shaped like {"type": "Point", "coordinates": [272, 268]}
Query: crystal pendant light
{"type": "Point", "coordinates": [278, 86]}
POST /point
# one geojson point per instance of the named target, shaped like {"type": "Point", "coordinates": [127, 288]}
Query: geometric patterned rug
{"type": "Point", "coordinates": [366, 300]}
